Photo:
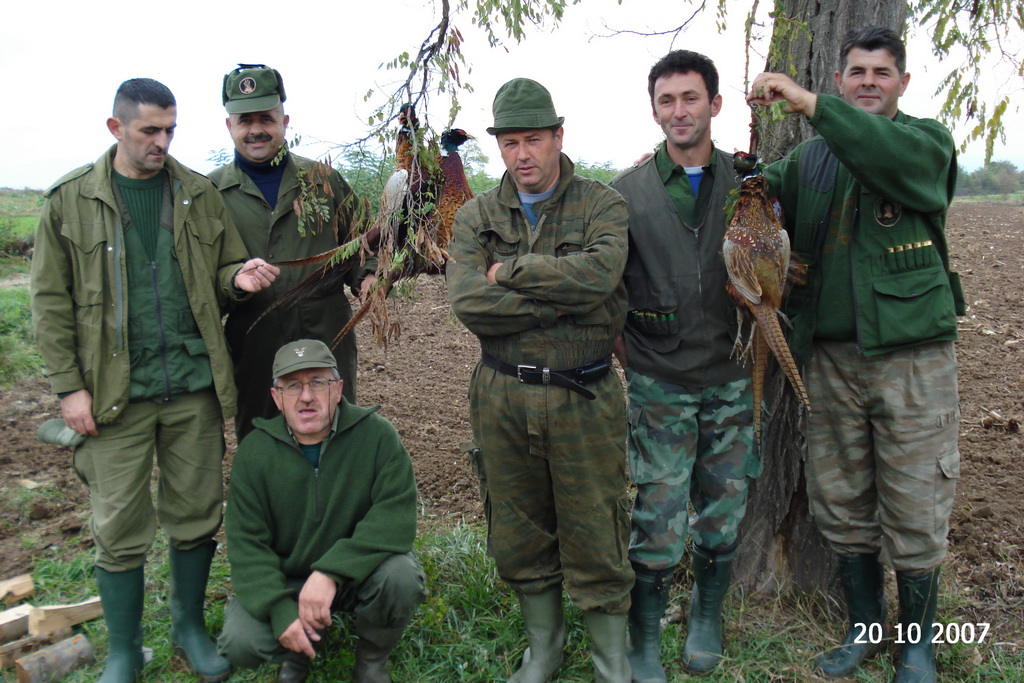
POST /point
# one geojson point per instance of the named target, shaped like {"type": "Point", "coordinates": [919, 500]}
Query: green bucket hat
{"type": "Point", "coordinates": [523, 104]}
{"type": "Point", "coordinates": [301, 355]}
{"type": "Point", "coordinates": [252, 87]}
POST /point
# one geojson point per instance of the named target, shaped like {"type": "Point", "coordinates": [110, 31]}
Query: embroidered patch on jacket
{"type": "Point", "coordinates": [887, 212]}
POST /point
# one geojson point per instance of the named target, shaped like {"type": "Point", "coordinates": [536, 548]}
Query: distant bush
{"type": "Point", "coordinates": [19, 359]}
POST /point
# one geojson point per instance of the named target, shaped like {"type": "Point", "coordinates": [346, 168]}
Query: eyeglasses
{"type": "Point", "coordinates": [317, 384]}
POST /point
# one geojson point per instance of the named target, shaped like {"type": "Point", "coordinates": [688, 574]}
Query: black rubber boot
{"type": "Point", "coordinates": [294, 668]}
{"type": "Point", "coordinates": [712, 571]}
{"type": "Point", "coordinates": [545, 636]}
{"type": "Point", "coordinates": [190, 570]}
{"type": "Point", "coordinates": [919, 597]}
{"type": "Point", "coordinates": [863, 579]}
{"type": "Point", "coordinates": [649, 600]}
{"type": "Point", "coordinates": [372, 651]}
{"type": "Point", "coordinates": [608, 646]}
{"type": "Point", "coordinates": [122, 595]}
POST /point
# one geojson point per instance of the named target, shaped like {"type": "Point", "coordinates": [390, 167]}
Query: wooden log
{"type": "Point", "coordinates": [17, 649]}
{"type": "Point", "coordinates": [17, 589]}
{"type": "Point", "coordinates": [14, 622]}
{"type": "Point", "coordinates": [56, 661]}
{"type": "Point", "coordinates": [52, 617]}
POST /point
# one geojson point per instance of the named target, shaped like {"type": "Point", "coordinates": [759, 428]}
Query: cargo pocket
{"type": "Point", "coordinates": [945, 488]}
{"type": "Point", "coordinates": [914, 306]}
{"type": "Point", "coordinates": [199, 374]}
{"type": "Point", "coordinates": [472, 451]}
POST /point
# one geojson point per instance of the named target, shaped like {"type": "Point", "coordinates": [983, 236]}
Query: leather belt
{"type": "Point", "coordinates": [572, 379]}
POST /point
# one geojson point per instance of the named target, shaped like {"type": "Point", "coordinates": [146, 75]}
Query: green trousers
{"type": "Point", "coordinates": [185, 438]}
{"type": "Point", "coordinates": [387, 598]}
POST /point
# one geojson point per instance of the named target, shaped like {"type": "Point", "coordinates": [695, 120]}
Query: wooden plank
{"type": "Point", "coordinates": [56, 661]}
{"type": "Point", "coordinates": [21, 647]}
{"type": "Point", "coordinates": [17, 589]}
{"type": "Point", "coordinates": [14, 622]}
{"type": "Point", "coordinates": [52, 617]}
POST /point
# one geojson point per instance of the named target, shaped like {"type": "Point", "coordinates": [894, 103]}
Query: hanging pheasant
{"type": "Point", "coordinates": [756, 251]}
{"type": "Point", "coordinates": [410, 232]}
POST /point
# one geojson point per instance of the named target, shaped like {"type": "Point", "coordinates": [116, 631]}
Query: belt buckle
{"type": "Point", "coordinates": [520, 368]}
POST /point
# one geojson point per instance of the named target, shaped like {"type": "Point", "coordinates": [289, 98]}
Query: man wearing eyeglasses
{"type": "Point", "coordinates": [321, 517]}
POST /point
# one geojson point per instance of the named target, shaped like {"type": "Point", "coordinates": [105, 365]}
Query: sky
{"type": "Point", "coordinates": [61, 62]}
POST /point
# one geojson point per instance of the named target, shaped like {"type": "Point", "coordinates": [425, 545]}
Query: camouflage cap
{"type": "Point", "coordinates": [523, 104]}
{"type": "Point", "coordinates": [252, 87]}
{"type": "Point", "coordinates": [301, 355]}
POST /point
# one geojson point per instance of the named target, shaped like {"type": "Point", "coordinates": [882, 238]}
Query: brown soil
{"type": "Point", "coordinates": [421, 381]}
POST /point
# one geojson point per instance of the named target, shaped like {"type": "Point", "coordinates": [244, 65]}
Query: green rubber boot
{"type": "Point", "coordinates": [649, 600]}
{"type": "Point", "coordinates": [122, 595]}
{"type": "Point", "coordinates": [545, 635]}
{"type": "Point", "coordinates": [712, 571]}
{"type": "Point", "coordinates": [863, 578]}
{"type": "Point", "coordinates": [608, 646]}
{"type": "Point", "coordinates": [919, 597]}
{"type": "Point", "coordinates": [372, 651]}
{"type": "Point", "coordinates": [190, 570]}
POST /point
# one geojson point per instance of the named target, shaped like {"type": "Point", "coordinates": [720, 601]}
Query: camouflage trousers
{"type": "Point", "coordinates": [688, 448]}
{"type": "Point", "coordinates": [552, 471]}
{"type": "Point", "coordinates": [882, 448]}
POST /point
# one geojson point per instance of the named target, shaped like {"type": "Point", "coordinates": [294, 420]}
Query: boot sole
{"type": "Point", "coordinates": [216, 678]}
{"type": "Point", "coordinates": [846, 673]}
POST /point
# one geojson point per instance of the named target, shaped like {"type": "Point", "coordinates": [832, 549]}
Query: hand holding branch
{"type": "Point", "coordinates": [769, 88]}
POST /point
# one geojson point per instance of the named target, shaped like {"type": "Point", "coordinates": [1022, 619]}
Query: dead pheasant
{"type": "Point", "coordinates": [411, 231]}
{"type": "Point", "coordinates": [756, 251]}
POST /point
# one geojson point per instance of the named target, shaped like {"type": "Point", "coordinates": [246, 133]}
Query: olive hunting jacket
{"type": "Point", "coordinates": [559, 300]}
{"type": "Point", "coordinates": [865, 205]}
{"type": "Point", "coordinates": [78, 282]}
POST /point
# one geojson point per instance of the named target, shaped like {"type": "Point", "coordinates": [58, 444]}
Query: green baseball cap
{"type": "Point", "coordinates": [301, 355]}
{"type": "Point", "coordinates": [252, 87]}
{"type": "Point", "coordinates": [523, 104]}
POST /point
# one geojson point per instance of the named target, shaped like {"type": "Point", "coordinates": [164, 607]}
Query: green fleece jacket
{"type": "Point", "coordinates": [286, 519]}
{"type": "Point", "coordinates": [79, 282]}
{"type": "Point", "coordinates": [865, 205]}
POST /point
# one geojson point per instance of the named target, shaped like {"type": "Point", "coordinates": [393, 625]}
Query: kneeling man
{"type": "Point", "coordinates": [321, 517]}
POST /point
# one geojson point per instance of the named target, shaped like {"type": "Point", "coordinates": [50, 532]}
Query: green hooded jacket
{"type": "Point", "coordinates": [79, 282]}
{"type": "Point", "coordinates": [286, 519]}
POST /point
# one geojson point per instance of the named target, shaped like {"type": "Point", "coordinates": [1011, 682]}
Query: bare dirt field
{"type": "Point", "coordinates": [421, 381]}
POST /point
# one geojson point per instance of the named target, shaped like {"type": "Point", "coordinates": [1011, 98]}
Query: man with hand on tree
{"type": "Point", "coordinates": [874, 326]}
{"type": "Point", "coordinates": [267, 191]}
{"type": "Point", "coordinates": [136, 260]}
{"type": "Point", "coordinates": [691, 438]}
{"type": "Point", "coordinates": [321, 517]}
{"type": "Point", "coordinates": [537, 276]}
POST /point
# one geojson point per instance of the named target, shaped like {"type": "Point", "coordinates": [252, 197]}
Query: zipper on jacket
{"type": "Point", "coordinates": [316, 493]}
{"type": "Point", "coordinates": [119, 292]}
{"type": "Point", "coordinates": [162, 331]}
{"type": "Point", "coordinates": [853, 273]}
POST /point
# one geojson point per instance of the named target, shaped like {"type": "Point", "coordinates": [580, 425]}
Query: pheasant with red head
{"type": "Point", "coordinates": [756, 251]}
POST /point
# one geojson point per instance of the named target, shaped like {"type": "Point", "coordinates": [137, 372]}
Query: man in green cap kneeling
{"type": "Point", "coordinates": [321, 517]}
{"type": "Point", "coordinates": [537, 276]}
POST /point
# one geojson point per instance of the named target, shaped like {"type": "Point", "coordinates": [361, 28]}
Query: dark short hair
{"type": "Point", "coordinates": [874, 38]}
{"type": "Point", "coordinates": [138, 91]}
{"type": "Point", "coordinates": [681, 62]}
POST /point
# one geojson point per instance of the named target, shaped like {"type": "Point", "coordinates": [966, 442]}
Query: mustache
{"type": "Point", "coordinates": [261, 137]}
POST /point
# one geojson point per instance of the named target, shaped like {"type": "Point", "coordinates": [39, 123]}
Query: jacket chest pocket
{"type": "Point", "coordinates": [88, 253]}
{"type": "Point", "coordinates": [502, 244]}
{"type": "Point", "coordinates": [572, 243]}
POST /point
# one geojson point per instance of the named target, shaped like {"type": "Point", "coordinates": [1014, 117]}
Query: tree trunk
{"type": "Point", "coordinates": [780, 543]}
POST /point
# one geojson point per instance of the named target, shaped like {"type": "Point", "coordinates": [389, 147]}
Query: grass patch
{"type": "Point", "coordinates": [19, 359]}
{"type": "Point", "coordinates": [469, 629]}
